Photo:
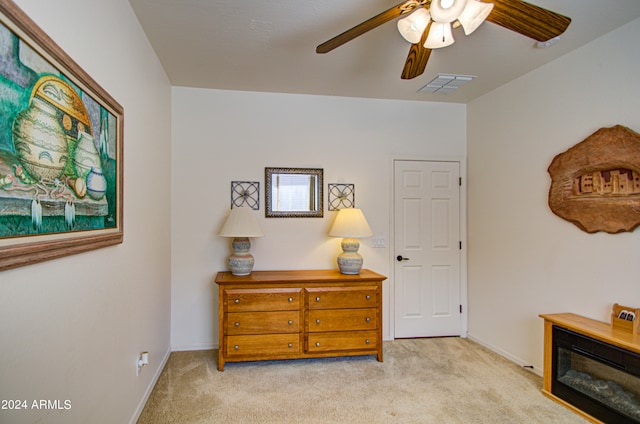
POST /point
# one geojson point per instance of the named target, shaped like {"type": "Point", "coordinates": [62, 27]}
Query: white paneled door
{"type": "Point", "coordinates": [427, 249]}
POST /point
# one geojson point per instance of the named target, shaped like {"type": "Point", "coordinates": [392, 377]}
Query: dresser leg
{"type": "Point", "coordinates": [220, 361]}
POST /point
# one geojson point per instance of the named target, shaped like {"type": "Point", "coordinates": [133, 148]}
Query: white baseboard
{"type": "Point", "coordinates": [506, 355]}
{"type": "Point", "coordinates": [204, 346]}
{"type": "Point", "coordinates": [149, 390]}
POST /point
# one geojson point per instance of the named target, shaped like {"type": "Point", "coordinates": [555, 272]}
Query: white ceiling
{"type": "Point", "coordinates": [269, 46]}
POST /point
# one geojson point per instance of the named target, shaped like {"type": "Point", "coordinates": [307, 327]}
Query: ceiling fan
{"type": "Point", "coordinates": [428, 25]}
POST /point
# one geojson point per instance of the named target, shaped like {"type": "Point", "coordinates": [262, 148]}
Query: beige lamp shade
{"type": "Point", "coordinates": [350, 223]}
{"type": "Point", "coordinates": [241, 223]}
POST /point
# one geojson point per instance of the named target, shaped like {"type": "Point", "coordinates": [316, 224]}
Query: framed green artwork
{"type": "Point", "coordinates": [61, 145]}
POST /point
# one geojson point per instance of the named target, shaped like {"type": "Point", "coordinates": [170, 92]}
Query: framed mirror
{"type": "Point", "coordinates": [293, 192]}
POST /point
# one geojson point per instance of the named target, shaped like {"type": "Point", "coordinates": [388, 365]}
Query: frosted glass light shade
{"type": "Point", "coordinates": [412, 27]}
{"type": "Point", "coordinates": [446, 11]}
{"type": "Point", "coordinates": [439, 36]}
{"type": "Point", "coordinates": [350, 223]}
{"type": "Point", "coordinates": [241, 223]}
{"type": "Point", "coordinates": [474, 14]}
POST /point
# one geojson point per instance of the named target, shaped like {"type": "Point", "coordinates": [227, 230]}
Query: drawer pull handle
{"type": "Point", "coordinates": [290, 345]}
{"type": "Point", "coordinates": [318, 299]}
{"type": "Point", "coordinates": [368, 297]}
{"type": "Point", "coordinates": [367, 341]}
{"type": "Point", "coordinates": [317, 321]}
{"type": "Point", "coordinates": [236, 301]}
{"type": "Point", "coordinates": [236, 347]}
{"type": "Point", "coordinates": [237, 324]}
{"type": "Point", "coordinates": [291, 299]}
{"type": "Point", "coordinates": [317, 344]}
{"type": "Point", "coordinates": [290, 322]}
{"type": "Point", "coordinates": [367, 319]}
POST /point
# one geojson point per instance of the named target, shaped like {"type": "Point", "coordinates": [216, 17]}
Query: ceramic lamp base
{"type": "Point", "coordinates": [350, 261]}
{"type": "Point", "coordinates": [241, 261]}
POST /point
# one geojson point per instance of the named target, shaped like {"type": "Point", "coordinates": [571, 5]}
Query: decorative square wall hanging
{"type": "Point", "coordinates": [245, 194]}
{"type": "Point", "coordinates": [341, 196]}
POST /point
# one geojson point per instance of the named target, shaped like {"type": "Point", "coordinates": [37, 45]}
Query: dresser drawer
{"type": "Point", "coordinates": [321, 320]}
{"type": "Point", "coordinates": [263, 344]}
{"type": "Point", "coordinates": [263, 322]}
{"type": "Point", "coordinates": [342, 297]}
{"type": "Point", "coordinates": [342, 340]}
{"type": "Point", "coordinates": [243, 300]}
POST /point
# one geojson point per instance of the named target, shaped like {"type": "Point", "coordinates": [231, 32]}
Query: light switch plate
{"type": "Point", "coordinates": [379, 242]}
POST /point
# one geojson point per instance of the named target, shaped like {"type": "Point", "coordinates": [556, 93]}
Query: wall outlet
{"type": "Point", "coordinates": [141, 361]}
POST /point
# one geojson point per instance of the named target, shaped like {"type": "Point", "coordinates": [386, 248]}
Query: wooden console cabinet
{"type": "Point", "coordinates": [601, 333]}
{"type": "Point", "coordinates": [299, 314]}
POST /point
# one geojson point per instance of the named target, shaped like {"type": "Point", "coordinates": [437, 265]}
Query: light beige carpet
{"type": "Point", "coordinates": [441, 380]}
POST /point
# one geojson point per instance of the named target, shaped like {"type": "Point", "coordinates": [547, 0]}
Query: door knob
{"type": "Point", "coordinates": [399, 258]}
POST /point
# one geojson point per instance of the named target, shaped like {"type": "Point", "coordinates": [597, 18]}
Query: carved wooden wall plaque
{"type": "Point", "coordinates": [596, 183]}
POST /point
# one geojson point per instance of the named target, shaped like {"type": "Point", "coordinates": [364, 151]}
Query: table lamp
{"type": "Point", "coordinates": [351, 225]}
{"type": "Point", "coordinates": [241, 224]}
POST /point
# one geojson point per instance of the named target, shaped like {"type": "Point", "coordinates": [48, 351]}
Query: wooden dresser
{"type": "Point", "coordinates": [299, 314]}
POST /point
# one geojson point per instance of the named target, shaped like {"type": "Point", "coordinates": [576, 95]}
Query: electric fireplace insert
{"type": "Point", "coordinates": [598, 378]}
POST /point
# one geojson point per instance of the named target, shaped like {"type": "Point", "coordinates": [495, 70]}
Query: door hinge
{"type": "Point", "coordinates": [460, 181]}
{"type": "Point", "coordinates": [461, 245]}
{"type": "Point", "coordinates": [460, 308]}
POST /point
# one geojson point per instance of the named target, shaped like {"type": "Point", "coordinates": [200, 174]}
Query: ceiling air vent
{"type": "Point", "coordinates": [446, 83]}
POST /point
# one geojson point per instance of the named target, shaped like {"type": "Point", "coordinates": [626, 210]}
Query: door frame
{"type": "Point", "coordinates": [462, 161]}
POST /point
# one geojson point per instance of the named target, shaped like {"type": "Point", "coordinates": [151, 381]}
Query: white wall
{"type": "Point", "coordinates": [524, 260]}
{"type": "Point", "coordinates": [224, 136]}
{"type": "Point", "coordinates": [70, 328]}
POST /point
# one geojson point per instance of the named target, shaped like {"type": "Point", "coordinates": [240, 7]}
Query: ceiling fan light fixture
{"type": "Point", "coordinates": [412, 27]}
{"type": "Point", "coordinates": [439, 36]}
{"type": "Point", "coordinates": [474, 14]}
{"type": "Point", "coordinates": [446, 11]}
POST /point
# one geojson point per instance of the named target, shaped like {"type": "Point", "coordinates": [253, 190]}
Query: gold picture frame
{"type": "Point", "coordinates": [61, 150]}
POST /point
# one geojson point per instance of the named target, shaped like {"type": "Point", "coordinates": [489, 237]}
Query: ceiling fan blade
{"type": "Point", "coordinates": [418, 57]}
{"type": "Point", "coordinates": [527, 19]}
{"type": "Point", "coordinates": [362, 28]}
